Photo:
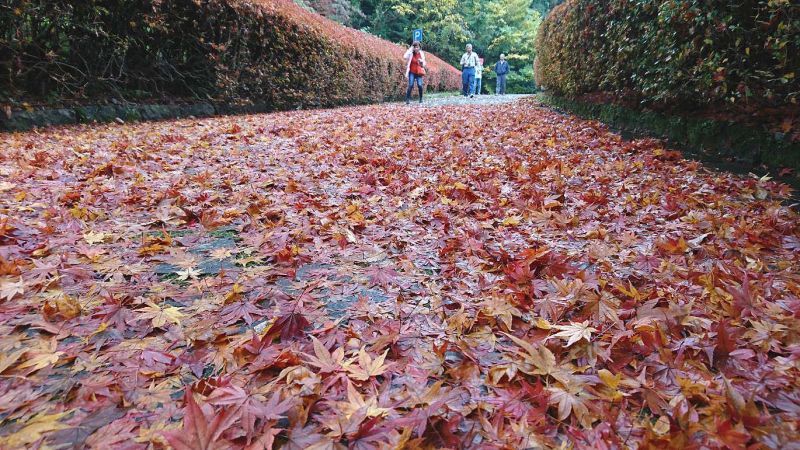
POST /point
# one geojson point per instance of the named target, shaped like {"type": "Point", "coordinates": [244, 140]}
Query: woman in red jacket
{"type": "Point", "coordinates": [415, 69]}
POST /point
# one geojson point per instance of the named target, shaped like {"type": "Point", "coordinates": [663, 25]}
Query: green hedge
{"type": "Point", "coordinates": [273, 52]}
{"type": "Point", "coordinates": [676, 54]}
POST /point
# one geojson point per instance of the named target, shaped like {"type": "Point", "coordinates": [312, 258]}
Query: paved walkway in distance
{"type": "Point", "coordinates": [437, 100]}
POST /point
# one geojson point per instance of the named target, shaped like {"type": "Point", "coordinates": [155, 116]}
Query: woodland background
{"type": "Point", "coordinates": [492, 26]}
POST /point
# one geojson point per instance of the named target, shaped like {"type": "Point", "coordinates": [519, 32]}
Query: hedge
{"type": "Point", "coordinates": [273, 52]}
{"type": "Point", "coordinates": [684, 55]}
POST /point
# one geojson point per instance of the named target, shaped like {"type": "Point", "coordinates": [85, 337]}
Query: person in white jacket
{"type": "Point", "coordinates": [415, 69]}
{"type": "Point", "coordinates": [478, 76]}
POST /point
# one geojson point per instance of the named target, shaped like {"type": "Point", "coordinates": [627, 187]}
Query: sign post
{"type": "Point", "coordinates": [417, 36]}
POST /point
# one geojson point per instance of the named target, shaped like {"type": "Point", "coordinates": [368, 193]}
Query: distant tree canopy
{"type": "Point", "coordinates": [492, 26]}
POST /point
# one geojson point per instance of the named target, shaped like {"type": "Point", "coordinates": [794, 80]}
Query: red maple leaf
{"type": "Point", "coordinates": [201, 430]}
{"type": "Point", "coordinates": [290, 325]}
{"type": "Point", "coordinates": [249, 408]}
{"type": "Point", "coordinates": [382, 276]}
{"type": "Point", "coordinates": [241, 310]}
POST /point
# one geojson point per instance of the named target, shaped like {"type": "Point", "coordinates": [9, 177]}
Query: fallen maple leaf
{"type": "Point", "coordinates": [571, 400]}
{"type": "Point", "coordinates": [160, 316]}
{"type": "Point", "coordinates": [93, 237]}
{"type": "Point", "coordinates": [64, 308]}
{"type": "Point", "coordinates": [188, 273]}
{"type": "Point", "coordinates": [382, 276]}
{"type": "Point", "coordinates": [249, 408]}
{"type": "Point", "coordinates": [326, 361]}
{"type": "Point", "coordinates": [9, 289]}
{"type": "Point", "coordinates": [34, 429]}
{"type": "Point", "coordinates": [45, 356]}
{"type": "Point", "coordinates": [290, 326]}
{"type": "Point", "coordinates": [367, 367]}
{"type": "Point", "coordinates": [201, 431]}
{"type": "Point", "coordinates": [574, 332]}
{"type": "Point", "coordinates": [512, 221]}
{"type": "Point", "coordinates": [539, 360]}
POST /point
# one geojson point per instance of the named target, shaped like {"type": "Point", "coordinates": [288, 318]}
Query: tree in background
{"type": "Point", "coordinates": [544, 6]}
{"type": "Point", "coordinates": [492, 26]}
{"type": "Point", "coordinates": [507, 26]}
{"type": "Point", "coordinates": [443, 21]}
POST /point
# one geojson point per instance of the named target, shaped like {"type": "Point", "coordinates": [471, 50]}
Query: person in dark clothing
{"type": "Point", "coordinates": [501, 69]}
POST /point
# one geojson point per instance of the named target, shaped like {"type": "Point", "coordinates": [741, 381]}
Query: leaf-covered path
{"type": "Point", "coordinates": [496, 276]}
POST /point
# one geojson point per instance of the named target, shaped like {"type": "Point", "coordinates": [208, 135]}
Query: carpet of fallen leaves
{"type": "Point", "coordinates": [386, 277]}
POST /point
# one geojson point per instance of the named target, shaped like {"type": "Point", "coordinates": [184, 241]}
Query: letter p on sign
{"type": "Point", "coordinates": [417, 35]}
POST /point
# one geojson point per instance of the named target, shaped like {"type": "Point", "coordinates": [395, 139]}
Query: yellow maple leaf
{"type": "Point", "coordinates": [356, 402]}
{"type": "Point", "coordinates": [93, 237]}
{"type": "Point", "coordinates": [367, 367]}
{"type": "Point", "coordinates": [33, 430]}
{"type": "Point", "coordinates": [160, 316]}
{"type": "Point", "coordinates": [235, 294]}
{"type": "Point", "coordinates": [326, 361]}
{"type": "Point", "coordinates": [512, 221]}
{"type": "Point", "coordinates": [609, 379]}
{"type": "Point", "coordinates": [41, 360]}
{"type": "Point", "coordinates": [221, 253]}
{"type": "Point", "coordinates": [611, 383]}
{"type": "Point", "coordinates": [538, 360]}
{"type": "Point", "coordinates": [8, 358]}
{"type": "Point", "coordinates": [543, 324]}
{"type": "Point", "coordinates": [501, 309]}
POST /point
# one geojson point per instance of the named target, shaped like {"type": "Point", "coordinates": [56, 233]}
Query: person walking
{"type": "Point", "coordinates": [479, 76]}
{"type": "Point", "coordinates": [415, 69]}
{"type": "Point", "coordinates": [469, 60]}
{"type": "Point", "coordinates": [501, 69]}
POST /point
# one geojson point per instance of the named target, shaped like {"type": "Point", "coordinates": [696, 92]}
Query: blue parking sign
{"type": "Point", "coordinates": [418, 35]}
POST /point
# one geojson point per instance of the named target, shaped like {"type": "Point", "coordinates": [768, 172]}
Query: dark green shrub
{"type": "Point", "coordinates": [676, 54]}
{"type": "Point", "coordinates": [271, 52]}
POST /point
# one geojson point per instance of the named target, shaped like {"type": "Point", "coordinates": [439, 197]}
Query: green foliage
{"type": "Point", "coordinates": [544, 6]}
{"type": "Point", "coordinates": [492, 26]}
{"type": "Point", "coordinates": [683, 54]}
{"type": "Point", "coordinates": [443, 22]}
{"type": "Point", "coordinates": [271, 52]}
{"type": "Point", "coordinates": [509, 26]}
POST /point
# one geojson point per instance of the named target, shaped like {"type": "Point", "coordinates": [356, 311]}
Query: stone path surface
{"type": "Point", "coordinates": [488, 99]}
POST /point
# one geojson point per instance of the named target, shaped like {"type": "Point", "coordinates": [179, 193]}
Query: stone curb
{"type": "Point", "coordinates": [22, 120]}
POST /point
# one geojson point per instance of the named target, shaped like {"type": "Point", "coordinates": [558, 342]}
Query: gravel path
{"type": "Point", "coordinates": [477, 100]}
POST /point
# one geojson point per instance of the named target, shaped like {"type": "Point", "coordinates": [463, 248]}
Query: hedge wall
{"type": "Point", "coordinates": [675, 54]}
{"type": "Point", "coordinates": [273, 52]}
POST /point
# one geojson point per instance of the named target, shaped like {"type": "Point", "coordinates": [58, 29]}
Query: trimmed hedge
{"type": "Point", "coordinates": [674, 54]}
{"type": "Point", "coordinates": [273, 52]}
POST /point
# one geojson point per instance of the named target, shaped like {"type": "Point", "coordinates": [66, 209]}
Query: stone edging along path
{"type": "Point", "coordinates": [21, 119]}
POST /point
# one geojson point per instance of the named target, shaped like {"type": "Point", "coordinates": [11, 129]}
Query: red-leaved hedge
{"type": "Point", "coordinates": [271, 52]}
